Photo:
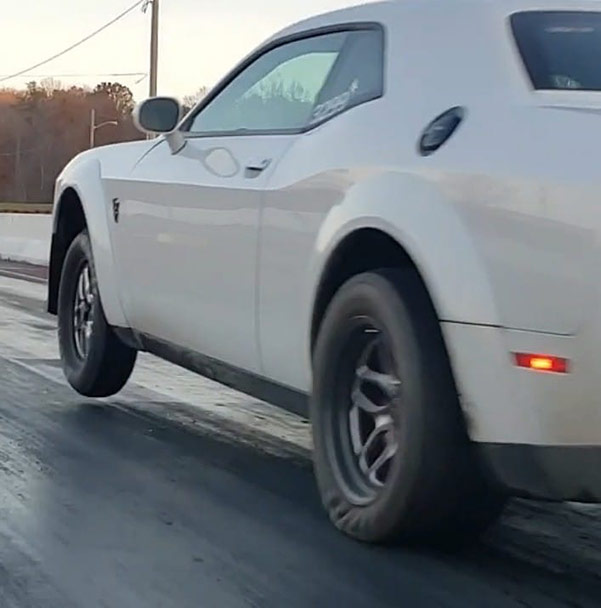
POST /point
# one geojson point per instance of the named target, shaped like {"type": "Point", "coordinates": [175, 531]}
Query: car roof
{"type": "Point", "coordinates": [441, 37]}
{"type": "Point", "coordinates": [388, 9]}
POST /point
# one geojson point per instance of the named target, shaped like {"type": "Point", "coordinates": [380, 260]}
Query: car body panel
{"type": "Point", "coordinates": [85, 175]}
{"type": "Point", "coordinates": [187, 243]}
{"type": "Point", "coordinates": [306, 220]}
{"type": "Point", "coordinates": [510, 234]}
{"type": "Point", "coordinates": [506, 404]}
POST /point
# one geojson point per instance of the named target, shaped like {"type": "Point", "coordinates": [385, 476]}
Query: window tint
{"type": "Point", "coordinates": [276, 92]}
{"type": "Point", "coordinates": [357, 77]}
{"type": "Point", "coordinates": [561, 50]}
{"type": "Point", "coordinates": [298, 84]}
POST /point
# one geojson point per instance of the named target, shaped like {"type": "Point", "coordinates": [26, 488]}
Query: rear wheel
{"type": "Point", "coordinates": [392, 457]}
{"type": "Point", "coordinates": [95, 361]}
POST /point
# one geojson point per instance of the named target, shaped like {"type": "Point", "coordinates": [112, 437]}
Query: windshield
{"type": "Point", "coordinates": [561, 50]}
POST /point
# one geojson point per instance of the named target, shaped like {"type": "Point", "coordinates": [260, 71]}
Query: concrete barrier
{"type": "Point", "coordinates": [25, 238]}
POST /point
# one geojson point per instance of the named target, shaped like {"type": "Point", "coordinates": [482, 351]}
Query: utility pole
{"type": "Point", "coordinates": [92, 127]}
{"type": "Point", "coordinates": [154, 48]}
{"type": "Point", "coordinates": [18, 180]}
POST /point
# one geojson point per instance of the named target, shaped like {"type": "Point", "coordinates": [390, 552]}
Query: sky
{"type": "Point", "coordinates": [200, 40]}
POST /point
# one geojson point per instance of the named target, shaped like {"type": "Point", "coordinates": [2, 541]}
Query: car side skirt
{"type": "Point", "coordinates": [251, 384]}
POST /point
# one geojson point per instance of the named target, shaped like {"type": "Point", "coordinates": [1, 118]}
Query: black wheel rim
{"type": "Point", "coordinates": [363, 421]}
{"type": "Point", "coordinates": [83, 303]}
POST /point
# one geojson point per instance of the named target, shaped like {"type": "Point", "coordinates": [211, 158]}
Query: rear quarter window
{"type": "Point", "coordinates": [561, 50]}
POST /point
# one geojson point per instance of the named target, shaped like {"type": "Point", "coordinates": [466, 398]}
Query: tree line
{"type": "Point", "coordinates": [44, 126]}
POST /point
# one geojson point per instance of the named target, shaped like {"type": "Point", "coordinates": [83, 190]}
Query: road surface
{"type": "Point", "coordinates": [180, 493]}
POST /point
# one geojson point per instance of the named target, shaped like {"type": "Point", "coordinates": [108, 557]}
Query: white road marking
{"type": "Point", "coordinates": [20, 275]}
{"type": "Point", "coordinates": [28, 289]}
{"type": "Point", "coordinates": [30, 342]}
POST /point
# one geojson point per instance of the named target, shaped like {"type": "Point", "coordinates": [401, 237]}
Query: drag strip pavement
{"type": "Point", "coordinates": [179, 492]}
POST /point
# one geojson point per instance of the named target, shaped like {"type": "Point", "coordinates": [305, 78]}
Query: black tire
{"type": "Point", "coordinates": [106, 363]}
{"type": "Point", "coordinates": [433, 489]}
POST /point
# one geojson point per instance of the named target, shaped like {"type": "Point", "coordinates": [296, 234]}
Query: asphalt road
{"type": "Point", "coordinates": [179, 493]}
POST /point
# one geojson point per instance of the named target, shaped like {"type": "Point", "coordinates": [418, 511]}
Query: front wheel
{"type": "Point", "coordinates": [95, 361]}
{"type": "Point", "coordinates": [391, 454]}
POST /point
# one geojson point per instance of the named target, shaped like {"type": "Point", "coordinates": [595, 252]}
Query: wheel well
{"type": "Point", "coordinates": [364, 250]}
{"type": "Point", "coordinates": [69, 223]}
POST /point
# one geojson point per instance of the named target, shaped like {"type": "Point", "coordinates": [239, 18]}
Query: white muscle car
{"type": "Point", "coordinates": [387, 217]}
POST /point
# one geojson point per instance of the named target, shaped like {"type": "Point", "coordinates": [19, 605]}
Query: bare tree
{"type": "Point", "coordinates": [191, 100]}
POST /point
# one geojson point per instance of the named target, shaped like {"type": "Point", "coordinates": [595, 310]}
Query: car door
{"type": "Point", "coordinates": [188, 230]}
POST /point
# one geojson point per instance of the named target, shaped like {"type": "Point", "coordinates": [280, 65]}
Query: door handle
{"type": "Point", "coordinates": [255, 167]}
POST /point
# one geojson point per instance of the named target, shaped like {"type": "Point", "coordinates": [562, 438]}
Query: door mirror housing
{"type": "Point", "coordinates": [160, 116]}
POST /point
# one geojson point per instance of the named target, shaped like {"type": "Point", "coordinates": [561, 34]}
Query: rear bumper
{"type": "Point", "coordinates": [540, 432]}
{"type": "Point", "coordinates": [552, 473]}
{"type": "Point", "coordinates": [506, 404]}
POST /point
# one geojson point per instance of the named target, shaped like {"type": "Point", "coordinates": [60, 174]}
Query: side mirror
{"type": "Point", "coordinates": [158, 115]}
{"type": "Point", "coordinates": [161, 115]}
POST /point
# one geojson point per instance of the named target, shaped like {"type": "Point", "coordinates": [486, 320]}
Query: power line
{"type": "Point", "coordinates": [101, 74]}
{"type": "Point", "coordinates": [74, 46]}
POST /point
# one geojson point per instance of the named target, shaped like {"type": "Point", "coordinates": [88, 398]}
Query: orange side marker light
{"type": "Point", "coordinates": [542, 363]}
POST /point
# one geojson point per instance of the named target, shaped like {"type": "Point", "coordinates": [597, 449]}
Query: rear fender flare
{"type": "Point", "coordinates": [414, 212]}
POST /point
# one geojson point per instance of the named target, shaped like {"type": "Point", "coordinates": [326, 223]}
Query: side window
{"type": "Point", "coordinates": [560, 49]}
{"type": "Point", "coordinates": [357, 77]}
{"type": "Point", "coordinates": [297, 85]}
{"type": "Point", "coordinates": [276, 92]}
